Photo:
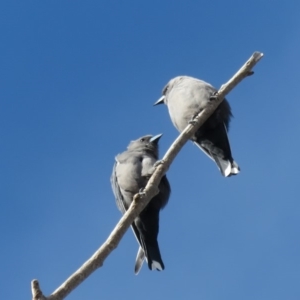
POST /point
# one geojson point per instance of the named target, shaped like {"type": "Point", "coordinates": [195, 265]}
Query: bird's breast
{"type": "Point", "coordinates": [147, 165]}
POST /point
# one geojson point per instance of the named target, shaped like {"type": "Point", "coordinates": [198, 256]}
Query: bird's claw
{"type": "Point", "coordinates": [214, 97]}
{"type": "Point", "coordinates": [157, 163]}
{"type": "Point", "coordinates": [192, 122]}
{"type": "Point", "coordinates": [142, 192]}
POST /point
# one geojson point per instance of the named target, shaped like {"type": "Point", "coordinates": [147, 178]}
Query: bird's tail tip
{"type": "Point", "coordinates": [154, 259]}
{"type": "Point", "coordinates": [156, 265]}
{"type": "Point", "coordinates": [153, 264]}
{"type": "Point", "coordinates": [231, 169]}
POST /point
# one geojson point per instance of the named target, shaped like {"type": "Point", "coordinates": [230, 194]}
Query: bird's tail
{"type": "Point", "coordinates": [146, 227]}
{"type": "Point", "coordinates": [215, 145]}
{"type": "Point", "coordinates": [235, 169]}
{"type": "Point", "coordinates": [153, 258]}
{"type": "Point", "coordinates": [140, 257]}
{"type": "Point", "coordinates": [149, 251]}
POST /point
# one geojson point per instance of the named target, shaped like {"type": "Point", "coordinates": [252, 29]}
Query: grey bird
{"type": "Point", "coordinates": [185, 97]}
{"type": "Point", "coordinates": [130, 175]}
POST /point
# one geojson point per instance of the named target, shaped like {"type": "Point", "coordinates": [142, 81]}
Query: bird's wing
{"type": "Point", "coordinates": [120, 203]}
{"type": "Point", "coordinates": [116, 189]}
{"type": "Point", "coordinates": [215, 144]}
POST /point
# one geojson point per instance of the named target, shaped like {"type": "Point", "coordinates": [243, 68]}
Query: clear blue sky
{"type": "Point", "coordinates": [78, 80]}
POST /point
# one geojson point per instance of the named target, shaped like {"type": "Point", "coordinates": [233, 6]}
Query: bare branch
{"type": "Point", "coordinates": [36, 291]}
{"type": "Point", "coordinates": [151, 190]}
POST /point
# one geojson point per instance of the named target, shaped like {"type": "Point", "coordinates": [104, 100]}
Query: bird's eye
{"type": "Point", "coordinates": [142, 140]}
{"type": "Point", "coordinates": [165, 90]}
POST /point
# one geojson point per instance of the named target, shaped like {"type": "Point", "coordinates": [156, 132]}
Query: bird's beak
{"type": "Point", "coordinates": [160, 100]}
{"type": "Point", "coordinates": [155, 139]}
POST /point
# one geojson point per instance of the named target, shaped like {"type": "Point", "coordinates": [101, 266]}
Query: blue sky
{"type": "Point", "coordinates": [77, 83]}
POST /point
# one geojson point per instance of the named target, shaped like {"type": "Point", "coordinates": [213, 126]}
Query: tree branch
{"type": "Point", "coordinates": [139, 202]}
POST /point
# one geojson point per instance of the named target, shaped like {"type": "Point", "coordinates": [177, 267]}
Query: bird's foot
{"type": "Point", "coordinates": [192, 121]}
{"type": "Point", "coordinates": [142, 192]}
{"type": "Point", "coordinates": [214, 97]}
{"type": "Point", "coordinates": [157, 163]}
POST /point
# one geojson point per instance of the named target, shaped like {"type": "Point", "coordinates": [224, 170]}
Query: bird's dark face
{"type": "Point", "coordinates": [147, 142]}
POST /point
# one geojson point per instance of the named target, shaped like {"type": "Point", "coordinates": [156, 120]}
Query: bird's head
{"type": "Point", "coordinates": [167, 89]}
{"type": "Point", "coordinates": [147, 142]}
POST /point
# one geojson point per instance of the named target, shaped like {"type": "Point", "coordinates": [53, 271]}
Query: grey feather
{"type": "Point", "coordinates": [130, 174]}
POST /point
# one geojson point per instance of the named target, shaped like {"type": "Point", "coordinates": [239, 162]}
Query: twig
{"type": "Point", "coordinates": [151, 190]}
{"type": "Point", "coordinates": [36, 291]}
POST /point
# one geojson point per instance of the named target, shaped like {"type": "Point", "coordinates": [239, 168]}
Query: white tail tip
{"type": "Point", "coordinates": [156, 266]}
